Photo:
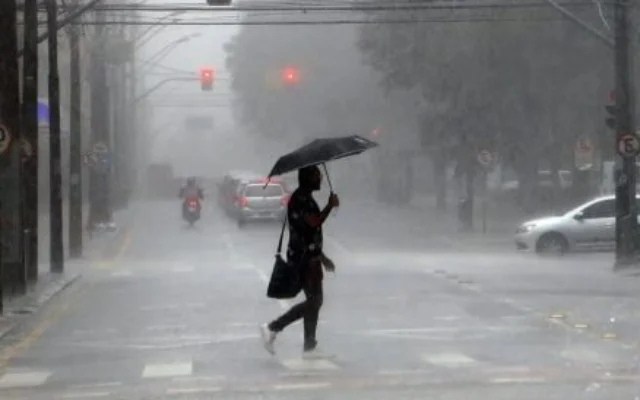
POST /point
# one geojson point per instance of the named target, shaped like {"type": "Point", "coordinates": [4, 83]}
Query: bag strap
{"type": "Point", "coordinates": [284, 224]}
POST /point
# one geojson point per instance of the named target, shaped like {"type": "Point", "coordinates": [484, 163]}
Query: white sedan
{"type": "Point", "coordinates": [591, 226]}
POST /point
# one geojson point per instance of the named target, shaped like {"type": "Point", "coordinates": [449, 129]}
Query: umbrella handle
{"type": "Point", "coordinates": [324, 166]}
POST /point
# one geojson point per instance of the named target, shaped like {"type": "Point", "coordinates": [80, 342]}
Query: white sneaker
{"type": "Point", "coordinates": [316, 354]}
{"type": "Point", "coordinates": [268, 338]}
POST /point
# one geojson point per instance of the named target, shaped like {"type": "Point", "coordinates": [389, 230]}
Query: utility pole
{"type": "Point", "coordinates": [75, 156]}
{"type": "Point", "coordinates": [99, 197]}
{"type": "Point", "coordinates": [55, 167]}
{"type": "Point", "coordinates": [626, 211]}
{"type": "Point", "coordinates": [11, 241]}
{"type": "Point", "coordinates": [30, 135]}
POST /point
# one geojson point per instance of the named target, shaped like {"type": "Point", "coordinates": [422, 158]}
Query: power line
{"type": "Point", "coordinates": [436, 5]}
{"type": "Point", "coordinates": [327, 22]}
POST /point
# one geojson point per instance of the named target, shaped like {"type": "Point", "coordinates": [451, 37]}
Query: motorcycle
{"type": "Point", "coordinates": [191, 210]}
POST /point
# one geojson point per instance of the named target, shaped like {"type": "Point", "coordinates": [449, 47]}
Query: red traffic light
{"type": "Point", "coordinates": [206, 78]}
{"type": "Point", "coordinates": [290, 75]}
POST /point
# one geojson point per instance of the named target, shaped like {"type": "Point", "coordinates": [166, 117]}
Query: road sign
{"type": "Point", "coordinates": [100, 147]}
{"type": "Point", "coordinates": [485, 157]}
{"type": "Point", "coordinates": [628, 145]}
{"type": "Point", "coordinates": [5, 139]}
{"type": "Point", "coordinates": [584, 146]}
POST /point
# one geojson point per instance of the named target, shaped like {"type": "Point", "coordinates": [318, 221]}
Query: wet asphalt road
{"type": "Point", "coordinates": [410, 314]}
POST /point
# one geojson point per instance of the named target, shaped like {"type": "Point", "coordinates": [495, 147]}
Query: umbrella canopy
{"type": "Point", "coordinates": [321, 151]}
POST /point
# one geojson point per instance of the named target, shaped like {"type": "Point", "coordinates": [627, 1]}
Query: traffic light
{"type": "Point", "coordinates": [291, 76]}
{"type": "Point", "coordinates": [206, 79]}
{"type": "Point", "coordinates": [612, 116]}
{"type": "Point", "coordinates": [219, 2]}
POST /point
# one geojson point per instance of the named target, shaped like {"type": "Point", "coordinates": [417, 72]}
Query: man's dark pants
{"type": "Point", "coordinates": [311, 274]}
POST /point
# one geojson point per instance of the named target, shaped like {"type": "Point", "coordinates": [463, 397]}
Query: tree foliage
{"type": "Point", "coordinates": [525, 89]}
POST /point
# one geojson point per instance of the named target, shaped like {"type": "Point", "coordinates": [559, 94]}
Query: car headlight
{"type": "Point", "coordinates": [526, 228]}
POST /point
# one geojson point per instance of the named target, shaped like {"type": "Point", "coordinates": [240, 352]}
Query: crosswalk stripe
{"type": "Point", "coordinates": [167, 370]}
{"type": "Point", "coordinates": [23, 379]}
{"type": "Point", "coordinates": [450, 360]}
{"type": "Point", "coordinates": [83, 395]}
{"type": "Point", "coordinates": [309, 365]}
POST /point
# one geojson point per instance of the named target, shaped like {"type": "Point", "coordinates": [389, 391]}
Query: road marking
{"type": "Point", "coordinates": [194, 379]}
{"type": "Point", "coordinates": [394, 372]}
{"type": "Point", "coordinates": [167, 370]}
{"type": "Point", "coordinates": [523, 379]}
{"type": "Point", "coordinates": [160, 307]}
{"type": "Point", "coordinates": [121, 274]}
{"type": "Point", "coordinates": [95, 385]}
{"type": "Point", "coordinates": [83, 395]}
{"type": "Point", "coordinates": [302, 386]}
{"type": "Point", "coordinates": [9, 353]}
{"type": "Point", "coordinates": [450, 360]}
{"type": "Point", "coordinates": [93, 331]}
{"type": "Point", "coordinates": [23, 379]}
{"type": "Point", "coordinates": [166, 327]}
{"type": "Point", "coordinates": [309, 365]}
{"type": "Point", "coordinates": [212, 389]}
{"type": "Point", "coordinates": [126, 243]}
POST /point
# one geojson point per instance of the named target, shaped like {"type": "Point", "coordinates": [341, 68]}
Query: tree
{"type": "Point", "coordinates": [521, 88]}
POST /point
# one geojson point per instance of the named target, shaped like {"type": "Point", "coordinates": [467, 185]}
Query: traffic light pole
{"type": "Point", "coordinates": [55, 165]}
{"type": "Point", "coordinates": [75, 150]}
{"type": "Point", "coordinates": [30, 134]}
{"type": "Point", "coordinates": [626, 212]}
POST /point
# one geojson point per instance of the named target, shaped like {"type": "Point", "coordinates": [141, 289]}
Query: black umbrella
{"type": "Point", "coordinates": [321, 151]}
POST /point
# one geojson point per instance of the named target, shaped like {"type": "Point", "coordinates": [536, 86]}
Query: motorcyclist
{"type": "Point", "coordinates": [190, 190]}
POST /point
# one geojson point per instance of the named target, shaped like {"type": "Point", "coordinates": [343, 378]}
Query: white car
{"type": "Point", "coordinates": [590, 226]}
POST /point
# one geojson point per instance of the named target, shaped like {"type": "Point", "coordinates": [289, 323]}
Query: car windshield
{"type": "Point", "coordinates": [261, 191]}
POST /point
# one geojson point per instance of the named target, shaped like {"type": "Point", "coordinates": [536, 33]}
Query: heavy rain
{"type": "Point", "coordinates": [447, 187]}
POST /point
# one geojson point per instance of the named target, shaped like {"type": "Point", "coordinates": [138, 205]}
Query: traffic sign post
{"type": "Point", "coordinates": [5, 139]}
{"type": "Point", "coordinates": [486, 159]}
{"type": "Point", "coordinates": [583, 153]}
{"type": "Point", "coordinates": [628, 145]}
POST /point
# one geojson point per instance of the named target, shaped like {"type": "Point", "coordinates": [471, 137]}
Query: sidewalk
{"type": "Point", "coordinates": [500, 226]}
{"type": "Point", "coordinates": [50, 284]}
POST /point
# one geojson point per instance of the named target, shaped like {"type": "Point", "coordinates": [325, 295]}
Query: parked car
{"type": "Point", "coordinates": [590, 226]}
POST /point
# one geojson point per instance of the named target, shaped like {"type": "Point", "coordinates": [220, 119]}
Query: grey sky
{"type": "Point", "coordinates": [186, 152]}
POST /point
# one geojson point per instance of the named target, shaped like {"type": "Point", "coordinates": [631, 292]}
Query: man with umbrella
{"type": "Point", "coordinates": [305, 231]}
{"type": "Point", "coordinates": [305, 251]}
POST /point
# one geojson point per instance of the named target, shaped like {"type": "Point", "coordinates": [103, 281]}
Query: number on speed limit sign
{"type": "Point", "coordinates": [5, 139]}
{"type": "Point", "coordinates": [628, 145]}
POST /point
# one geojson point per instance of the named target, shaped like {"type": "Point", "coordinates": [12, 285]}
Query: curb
{"type": "Point", "coordinates": [27, 306]}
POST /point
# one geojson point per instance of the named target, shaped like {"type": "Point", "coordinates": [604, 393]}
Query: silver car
{"type": "Point", "coordinates": [590, 226]}
{"type": "Point", "coordinates": [257, 202]}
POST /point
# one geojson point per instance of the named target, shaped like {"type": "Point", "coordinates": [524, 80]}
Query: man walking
{"type": "Point", "coordinates": [305, 251]}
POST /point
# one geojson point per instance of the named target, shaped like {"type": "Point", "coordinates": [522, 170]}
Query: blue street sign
{"type": "Point", "coordinates": [43, 112]}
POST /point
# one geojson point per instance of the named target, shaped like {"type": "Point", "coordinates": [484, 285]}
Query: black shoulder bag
{"type": "Point", "coordinates": [285, 282]}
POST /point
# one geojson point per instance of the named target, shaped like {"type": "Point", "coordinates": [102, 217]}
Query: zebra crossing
{"type": "Point", "coordinates": [194, 376]}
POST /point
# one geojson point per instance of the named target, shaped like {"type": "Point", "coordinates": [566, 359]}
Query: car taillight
{"type": "Point", "coordinates": [242, 201]}
{"type": "Point", "coordinates": [284, 200]}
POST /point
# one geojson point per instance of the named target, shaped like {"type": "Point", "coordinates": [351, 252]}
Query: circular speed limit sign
{"type": "Point", "coordinates": [628, 145]}
{"type": "Point", "coordinates": [5, 139]}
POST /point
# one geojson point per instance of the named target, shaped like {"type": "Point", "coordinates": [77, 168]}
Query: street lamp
{"type": "Point", "coordinates": [158, 24]}
{"type": "Point", "coordinates": [166, 50]}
